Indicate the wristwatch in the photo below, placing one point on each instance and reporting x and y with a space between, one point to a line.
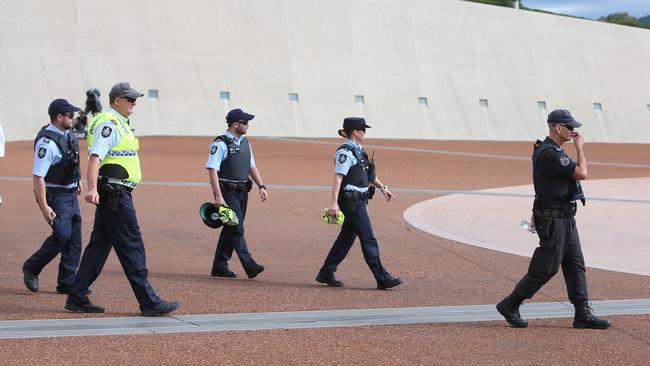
261 186
383 188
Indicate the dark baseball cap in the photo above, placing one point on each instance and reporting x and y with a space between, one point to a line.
60 106
563 116
123 89
238 115
354 123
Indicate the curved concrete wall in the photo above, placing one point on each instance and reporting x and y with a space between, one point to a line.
392 52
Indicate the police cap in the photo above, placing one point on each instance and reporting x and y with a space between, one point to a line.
563 116
236 115
354 123
60 106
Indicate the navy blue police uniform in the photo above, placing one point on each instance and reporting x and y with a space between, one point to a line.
56 158
116 225
556 195
351 161
233 159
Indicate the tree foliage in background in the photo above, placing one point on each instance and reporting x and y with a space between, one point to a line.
645 20
623 19
616 18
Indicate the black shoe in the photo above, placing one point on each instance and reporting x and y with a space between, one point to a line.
163 308
510 311
84 308
585 319
31 280
329 280
223 273
255 271
389 283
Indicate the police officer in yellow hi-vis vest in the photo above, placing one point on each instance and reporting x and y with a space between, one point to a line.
113 173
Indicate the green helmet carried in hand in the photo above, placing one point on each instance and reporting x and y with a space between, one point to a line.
215 217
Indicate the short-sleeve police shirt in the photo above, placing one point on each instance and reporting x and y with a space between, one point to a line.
219 152
46 154
554 175
107 135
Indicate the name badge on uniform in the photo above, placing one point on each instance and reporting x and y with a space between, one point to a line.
106 131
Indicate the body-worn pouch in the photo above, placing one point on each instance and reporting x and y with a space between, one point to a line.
348 202
543 223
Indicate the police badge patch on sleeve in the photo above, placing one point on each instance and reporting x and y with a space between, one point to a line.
342 158
564 160
106 131
213 150
41 152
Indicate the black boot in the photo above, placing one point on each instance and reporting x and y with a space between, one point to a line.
586 319
509 308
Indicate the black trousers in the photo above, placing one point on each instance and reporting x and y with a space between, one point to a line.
65 239
356 223
561 248
232 237
119 230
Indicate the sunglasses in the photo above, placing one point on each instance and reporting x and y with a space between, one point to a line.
68 114
361 129
245 123
130 100
570 128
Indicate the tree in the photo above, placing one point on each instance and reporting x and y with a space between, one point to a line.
623 19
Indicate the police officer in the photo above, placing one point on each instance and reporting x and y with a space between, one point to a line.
354 180
113 173
56 186
230 164
556 178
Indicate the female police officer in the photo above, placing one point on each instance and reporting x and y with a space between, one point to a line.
353 174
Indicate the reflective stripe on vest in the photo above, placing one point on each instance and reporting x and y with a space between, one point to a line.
125 153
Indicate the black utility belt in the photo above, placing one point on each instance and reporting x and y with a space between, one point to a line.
109 185
236 186
558 212
355 195
60 190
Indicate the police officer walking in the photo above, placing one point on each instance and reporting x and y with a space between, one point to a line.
113 173
556 178
353 176
56 187
230 164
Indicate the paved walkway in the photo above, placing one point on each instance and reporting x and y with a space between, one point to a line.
613 225
300 319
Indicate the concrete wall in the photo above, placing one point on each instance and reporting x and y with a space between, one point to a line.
390 51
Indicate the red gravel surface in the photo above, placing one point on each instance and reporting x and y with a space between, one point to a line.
286 235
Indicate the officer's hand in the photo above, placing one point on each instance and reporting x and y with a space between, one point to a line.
333 210
48 215
79 189
219 201
92 197
578 140
388 194
264 194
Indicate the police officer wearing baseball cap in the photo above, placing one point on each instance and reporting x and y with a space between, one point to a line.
354 176
113 174
231 167
556 178
56 186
